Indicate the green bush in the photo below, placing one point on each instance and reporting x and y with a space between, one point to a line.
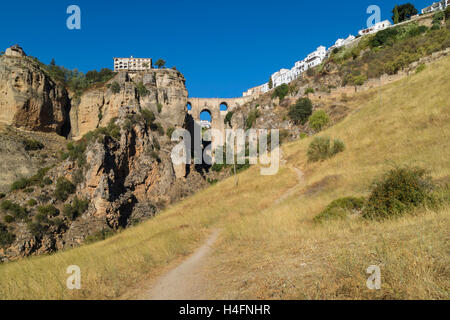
338 146
251 118
320 148
142 90
31 203
6 238
9 219
170 131
160 107
48 210
99 236
340 208
228 118
318 120
149 116
22 183
281 91
398 191
158 128
37 229
115 87
64 188
309 90
447 13
300 111
32 145
76 209
15 209
421 68
47 181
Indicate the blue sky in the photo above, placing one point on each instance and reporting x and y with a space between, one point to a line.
222 47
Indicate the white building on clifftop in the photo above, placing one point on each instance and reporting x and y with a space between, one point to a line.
132 64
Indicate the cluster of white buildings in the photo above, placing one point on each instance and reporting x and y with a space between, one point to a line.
132 64
285 76
436 6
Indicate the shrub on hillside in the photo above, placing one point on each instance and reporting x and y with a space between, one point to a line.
9 219
149 116
32 145
6 237
142 90
15 209
31 202
447 13
76 209
398 191
340 208
300 111
48 210
281 92
320 149
318 120
421 68
64 188
251 118
115 87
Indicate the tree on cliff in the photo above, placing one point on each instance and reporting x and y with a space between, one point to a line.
405 12
396 16
160 63
270 83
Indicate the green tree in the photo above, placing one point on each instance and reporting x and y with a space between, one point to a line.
405 12
300 111
270 83
160 63
281 91
308 91
396 16
319 120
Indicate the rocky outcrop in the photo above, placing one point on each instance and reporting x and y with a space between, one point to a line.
29 98
164 94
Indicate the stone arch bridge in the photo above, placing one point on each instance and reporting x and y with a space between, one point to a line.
213 106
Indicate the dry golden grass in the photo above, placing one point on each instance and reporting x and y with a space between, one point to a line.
274 250
282 254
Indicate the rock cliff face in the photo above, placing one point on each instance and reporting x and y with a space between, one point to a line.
118 160
164 94
29 98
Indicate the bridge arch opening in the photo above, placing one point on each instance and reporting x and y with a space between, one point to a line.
223 106
205 118
188 106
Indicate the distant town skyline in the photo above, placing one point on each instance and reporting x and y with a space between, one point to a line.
222 48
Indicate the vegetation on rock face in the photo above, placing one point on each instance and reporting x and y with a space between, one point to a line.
142 90
300 111
398 191
320 148
281 92
251 118
115 87
64 188
6 238
403 12
16 210
75 80
32 145
318 120
228 118
37 179
388 51
76 209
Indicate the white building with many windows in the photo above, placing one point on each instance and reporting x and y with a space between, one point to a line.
436 6
375 28
342 42
132 64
